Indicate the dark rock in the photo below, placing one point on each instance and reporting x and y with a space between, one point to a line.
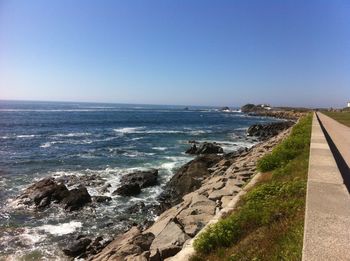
225 109
264 131
128 190
205 148
77 248
139 207
187 179
142 178
76 199
60 193
192 150
47 190
144 241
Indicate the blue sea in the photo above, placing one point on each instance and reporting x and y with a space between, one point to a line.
41 139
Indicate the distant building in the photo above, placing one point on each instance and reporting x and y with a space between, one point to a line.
348 104
265 106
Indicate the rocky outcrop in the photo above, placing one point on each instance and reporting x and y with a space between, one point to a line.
251 108
46 191
82 246
191 198
205 148
265 131
187 179
130 189
142 178
131 184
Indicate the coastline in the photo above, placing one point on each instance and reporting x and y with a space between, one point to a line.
197 174
177 225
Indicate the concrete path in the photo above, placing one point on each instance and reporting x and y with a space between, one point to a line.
340 135
327 214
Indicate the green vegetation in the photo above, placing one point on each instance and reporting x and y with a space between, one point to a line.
268 224
343 116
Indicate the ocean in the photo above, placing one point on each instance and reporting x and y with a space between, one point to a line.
43 139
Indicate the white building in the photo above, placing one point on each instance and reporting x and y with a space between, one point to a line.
348 104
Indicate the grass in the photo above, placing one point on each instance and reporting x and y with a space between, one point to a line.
343 117
268 224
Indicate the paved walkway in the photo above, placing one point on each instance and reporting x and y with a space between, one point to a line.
327 214
340 135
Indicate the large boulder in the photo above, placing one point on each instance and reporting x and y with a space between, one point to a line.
131 189
132 183
46 191
76 199
169 242
78 247
205 148
142 178
187 179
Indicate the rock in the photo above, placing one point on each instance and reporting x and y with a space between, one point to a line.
265 131
225 109
76 199
47 190
121 247
142 178
251 108
205 148
144 241
187 179
77 248
128 190
218 194
169 241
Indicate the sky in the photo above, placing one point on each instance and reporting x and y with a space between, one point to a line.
180 52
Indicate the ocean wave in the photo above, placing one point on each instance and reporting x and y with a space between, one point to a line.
72 134
128 129
27 136
160 148
61 229
142 130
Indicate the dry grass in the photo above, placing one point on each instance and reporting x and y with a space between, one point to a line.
342 117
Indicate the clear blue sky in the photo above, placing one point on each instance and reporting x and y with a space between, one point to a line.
176 52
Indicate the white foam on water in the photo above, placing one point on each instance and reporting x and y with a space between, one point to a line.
26 136
46 145
129 129
61 229
72 134
160 148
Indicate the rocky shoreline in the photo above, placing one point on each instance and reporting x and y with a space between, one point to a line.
197 191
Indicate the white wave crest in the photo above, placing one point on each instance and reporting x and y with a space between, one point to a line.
129 130
61 229
72 134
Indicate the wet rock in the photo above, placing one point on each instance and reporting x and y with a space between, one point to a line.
128 190
205 148
144 241
47 190
142 178
77 248
76 199
187 179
